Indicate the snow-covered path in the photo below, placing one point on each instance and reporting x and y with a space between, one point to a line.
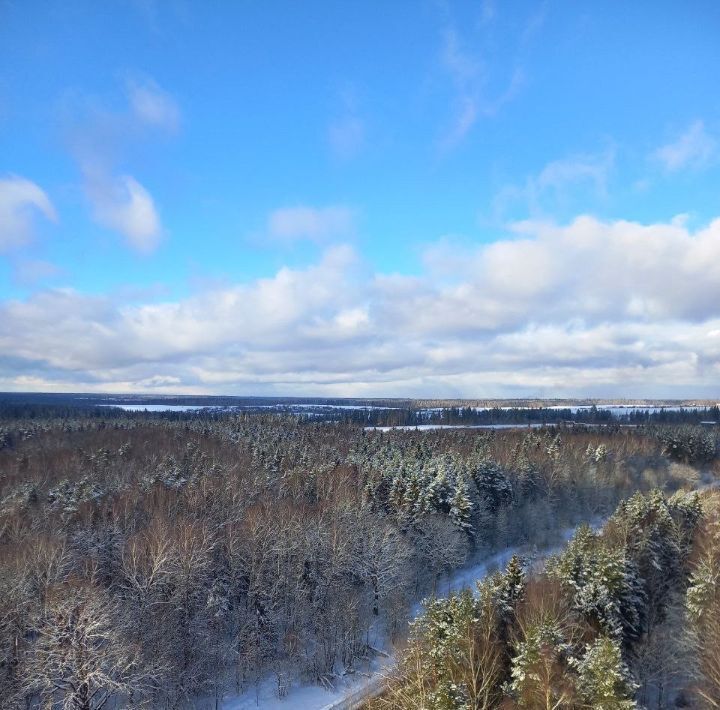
464 579
368 681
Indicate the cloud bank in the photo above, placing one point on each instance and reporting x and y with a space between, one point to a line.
590 306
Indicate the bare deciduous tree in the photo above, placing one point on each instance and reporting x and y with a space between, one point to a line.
80 658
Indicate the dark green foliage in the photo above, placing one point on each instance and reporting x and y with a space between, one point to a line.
689 444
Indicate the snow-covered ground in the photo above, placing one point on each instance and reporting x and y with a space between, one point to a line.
291 407
353 687
356 407
428 427
156 407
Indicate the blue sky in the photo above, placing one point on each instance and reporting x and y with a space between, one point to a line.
431 198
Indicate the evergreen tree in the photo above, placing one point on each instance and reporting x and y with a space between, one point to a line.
606 585
539 677
461 506
604 681
508 588
493 485
397 492
412 498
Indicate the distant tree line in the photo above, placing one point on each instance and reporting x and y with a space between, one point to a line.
41 406
469 416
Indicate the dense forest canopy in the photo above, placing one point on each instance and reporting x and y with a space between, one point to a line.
624 618
173 560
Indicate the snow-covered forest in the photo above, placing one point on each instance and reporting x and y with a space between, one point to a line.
628 617
173 562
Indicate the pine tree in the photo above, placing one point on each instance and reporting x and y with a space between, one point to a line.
509 587
412 498
492 484
461 506
605 583
436 494
397 493
539 677
604 681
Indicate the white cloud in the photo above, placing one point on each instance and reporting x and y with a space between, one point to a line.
20 201
316 224
593 270
695 148
352 319
589 307
153 106
125 206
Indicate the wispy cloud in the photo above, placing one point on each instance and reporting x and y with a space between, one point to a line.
153 106
581 177
346 133
534 23
694 148
466 73
98 139
472 75
315 224
346 136
592 168
472 100
487 11
29 272
20 201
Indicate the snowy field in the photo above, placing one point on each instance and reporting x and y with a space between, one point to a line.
156 407
428 427
274 407
352 407
355 687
